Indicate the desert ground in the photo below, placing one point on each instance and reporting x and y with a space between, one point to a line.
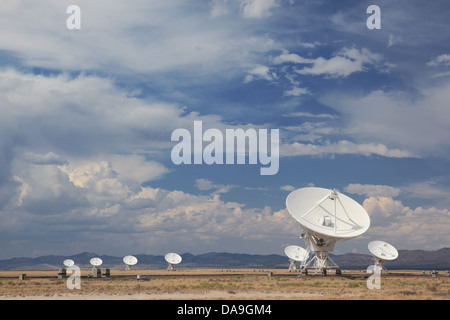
225 284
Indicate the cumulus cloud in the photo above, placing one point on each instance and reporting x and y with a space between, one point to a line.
405 227
97 205
401 225
82 153
211 217
46 190
135 169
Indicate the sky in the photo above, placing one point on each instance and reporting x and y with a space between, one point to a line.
87 117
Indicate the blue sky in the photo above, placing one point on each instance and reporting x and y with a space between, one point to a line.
87 117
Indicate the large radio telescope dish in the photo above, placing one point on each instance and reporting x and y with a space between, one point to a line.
297 256
173 259
326 216
382 252
129 261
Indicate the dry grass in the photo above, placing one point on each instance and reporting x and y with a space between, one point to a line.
224 284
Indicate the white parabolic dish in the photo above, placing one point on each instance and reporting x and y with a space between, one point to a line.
173 258
130 260
383 250
68 262
327 213
296 253
96 262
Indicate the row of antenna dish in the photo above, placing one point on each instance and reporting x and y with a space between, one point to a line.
327 216
171 258
380 250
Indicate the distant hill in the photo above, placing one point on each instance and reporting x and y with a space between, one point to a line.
408 259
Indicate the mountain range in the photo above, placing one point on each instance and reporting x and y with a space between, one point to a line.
407 259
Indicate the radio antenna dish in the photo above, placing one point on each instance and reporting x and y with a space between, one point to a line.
173 259
96 262
130 261
326 216
297 257
382 252
68 263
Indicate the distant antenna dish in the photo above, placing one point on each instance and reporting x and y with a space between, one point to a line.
382 251
130 261
326 216
68 262
96 262
173 259
297 257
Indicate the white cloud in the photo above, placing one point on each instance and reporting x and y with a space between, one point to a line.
311 115
45 190
372 190
426 190
287 188
296 92
83 151
148 219
421 126
48 158
341 147
441 74
154 36
258 8
292 58
307 131
205 185
212 218
407 228
443 59
218 8
260 72
85 115
99 179
393 40
343 64
136 169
